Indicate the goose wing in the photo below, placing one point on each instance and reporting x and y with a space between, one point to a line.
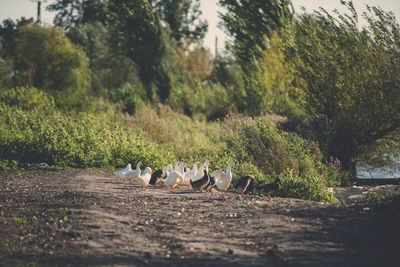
124 171
218 175
132 174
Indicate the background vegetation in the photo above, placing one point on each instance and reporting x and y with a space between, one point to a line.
302 98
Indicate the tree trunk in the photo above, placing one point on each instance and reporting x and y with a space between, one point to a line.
148 86
343 146
163 83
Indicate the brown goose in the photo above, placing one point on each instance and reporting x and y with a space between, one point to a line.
267 189
245 184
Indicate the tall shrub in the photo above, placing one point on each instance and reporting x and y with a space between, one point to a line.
52 63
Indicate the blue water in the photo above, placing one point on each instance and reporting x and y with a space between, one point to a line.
369 172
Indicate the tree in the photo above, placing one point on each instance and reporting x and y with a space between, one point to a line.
248 22
268 84
226 71
109 68
183 18
137 33
9 32
74 12
5 70
52 63
256 28
350 78
195 62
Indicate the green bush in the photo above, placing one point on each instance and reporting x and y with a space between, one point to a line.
132 97
269 153
306 187
27 98
255 145
209 100
82 140
158 136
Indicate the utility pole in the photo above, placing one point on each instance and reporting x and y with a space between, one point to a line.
38 21
216 46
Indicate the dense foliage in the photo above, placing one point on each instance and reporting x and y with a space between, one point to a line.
83 140
124 81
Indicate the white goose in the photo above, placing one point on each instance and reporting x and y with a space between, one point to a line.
167 169
200 172
132 175
144 179
122 172
159 175
176 166
175 177
190 174
222 179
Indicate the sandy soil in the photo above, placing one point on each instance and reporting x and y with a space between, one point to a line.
91 218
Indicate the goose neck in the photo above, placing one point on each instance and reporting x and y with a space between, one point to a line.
138 166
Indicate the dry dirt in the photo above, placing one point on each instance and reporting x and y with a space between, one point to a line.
91 218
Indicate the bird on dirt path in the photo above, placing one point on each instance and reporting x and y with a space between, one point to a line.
201 183
175 177
123 172
245 184
145 177
192 173
200 171
223 179
267 189
132 175
211 184
159 175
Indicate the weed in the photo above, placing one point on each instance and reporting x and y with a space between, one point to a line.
374 199
20 221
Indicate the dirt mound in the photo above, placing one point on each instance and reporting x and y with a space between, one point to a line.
91 218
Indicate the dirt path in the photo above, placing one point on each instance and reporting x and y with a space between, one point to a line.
91 218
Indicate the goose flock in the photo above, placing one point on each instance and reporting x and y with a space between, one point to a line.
197 178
